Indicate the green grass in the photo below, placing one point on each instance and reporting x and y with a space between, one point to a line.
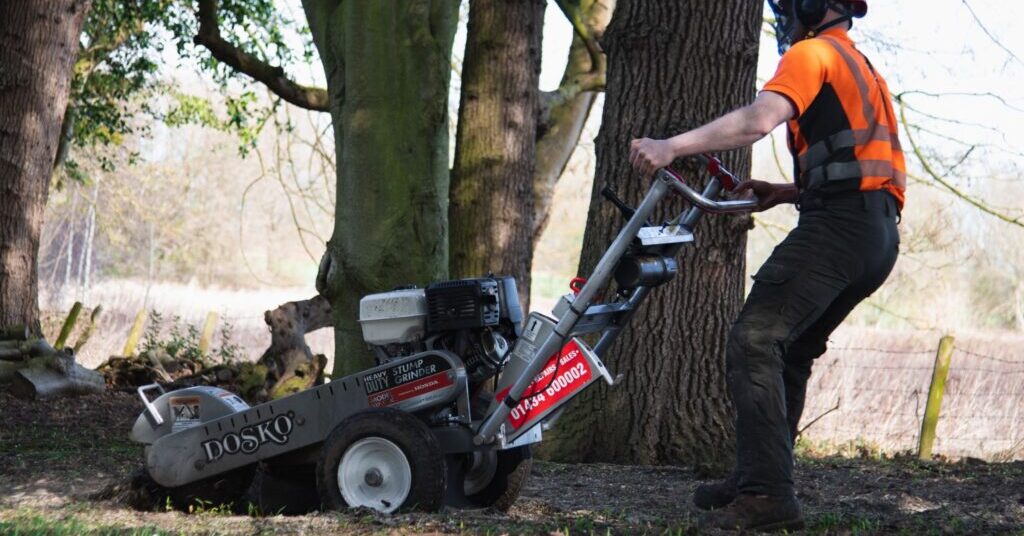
34 524
48 444
831 522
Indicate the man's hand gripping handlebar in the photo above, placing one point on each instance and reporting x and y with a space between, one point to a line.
717 170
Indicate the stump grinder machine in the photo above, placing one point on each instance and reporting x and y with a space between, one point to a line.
463 387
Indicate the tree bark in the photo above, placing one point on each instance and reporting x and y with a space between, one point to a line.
38 46
672 66
491 211
388 69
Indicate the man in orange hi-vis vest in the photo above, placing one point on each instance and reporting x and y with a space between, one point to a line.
849 189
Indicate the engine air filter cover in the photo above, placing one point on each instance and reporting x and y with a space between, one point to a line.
462 304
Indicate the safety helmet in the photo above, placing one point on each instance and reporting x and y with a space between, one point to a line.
809 14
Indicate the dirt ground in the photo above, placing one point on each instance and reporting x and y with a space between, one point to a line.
56 459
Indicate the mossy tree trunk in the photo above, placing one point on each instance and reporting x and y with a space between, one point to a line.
388 70
38 47
672 66
491 211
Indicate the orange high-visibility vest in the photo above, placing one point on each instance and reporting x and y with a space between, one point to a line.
845 136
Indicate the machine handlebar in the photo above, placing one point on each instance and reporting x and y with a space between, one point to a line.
715 168
725 178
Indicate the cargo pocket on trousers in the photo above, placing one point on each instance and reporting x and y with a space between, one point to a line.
776 299
774 274
770 292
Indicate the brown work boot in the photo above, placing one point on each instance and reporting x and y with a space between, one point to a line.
716 494
756 512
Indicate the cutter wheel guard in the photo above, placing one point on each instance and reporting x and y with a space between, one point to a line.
421 429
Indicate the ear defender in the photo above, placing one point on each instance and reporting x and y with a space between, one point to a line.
811 13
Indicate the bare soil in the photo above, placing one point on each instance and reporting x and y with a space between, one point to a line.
57 459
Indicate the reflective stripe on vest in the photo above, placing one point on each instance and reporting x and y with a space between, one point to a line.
818 154
813 160
852 170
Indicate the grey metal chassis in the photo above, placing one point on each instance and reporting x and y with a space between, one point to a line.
188 455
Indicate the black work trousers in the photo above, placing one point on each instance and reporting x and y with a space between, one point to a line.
841 251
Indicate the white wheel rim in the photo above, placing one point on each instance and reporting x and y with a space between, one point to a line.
374 473
481 472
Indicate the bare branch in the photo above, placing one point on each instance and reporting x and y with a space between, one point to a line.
818 418
575 16
768 226
310 98
564 112
918 324
990 34
980 94
958 141
778 160
926 165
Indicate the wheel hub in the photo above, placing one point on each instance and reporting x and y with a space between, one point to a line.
374 473
374 477
481 471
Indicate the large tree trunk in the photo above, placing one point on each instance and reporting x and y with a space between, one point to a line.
38 47
672 66
388 69
491 211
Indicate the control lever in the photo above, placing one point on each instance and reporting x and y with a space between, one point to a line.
626 210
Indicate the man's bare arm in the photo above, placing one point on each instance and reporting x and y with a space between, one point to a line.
739 128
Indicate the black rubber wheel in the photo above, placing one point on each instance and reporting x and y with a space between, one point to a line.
283 489
491 479
141 492
216 492
388 451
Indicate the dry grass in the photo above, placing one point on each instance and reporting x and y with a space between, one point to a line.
879 380
242 309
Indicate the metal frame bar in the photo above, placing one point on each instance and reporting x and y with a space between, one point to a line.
602 273
664 182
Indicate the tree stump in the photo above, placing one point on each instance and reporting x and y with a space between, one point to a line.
35 370
291 365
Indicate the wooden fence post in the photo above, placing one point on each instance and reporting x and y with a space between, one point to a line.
207 337
935 392
134 334
69 324
87 332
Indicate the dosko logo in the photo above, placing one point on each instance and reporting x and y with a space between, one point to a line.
249 439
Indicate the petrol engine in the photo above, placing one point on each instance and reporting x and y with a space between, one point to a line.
476 319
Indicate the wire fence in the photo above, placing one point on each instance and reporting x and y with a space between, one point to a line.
873 386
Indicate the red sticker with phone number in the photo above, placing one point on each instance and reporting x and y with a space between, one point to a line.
571 374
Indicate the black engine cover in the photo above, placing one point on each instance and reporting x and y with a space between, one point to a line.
463 304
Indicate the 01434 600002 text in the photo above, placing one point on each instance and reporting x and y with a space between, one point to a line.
546 393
